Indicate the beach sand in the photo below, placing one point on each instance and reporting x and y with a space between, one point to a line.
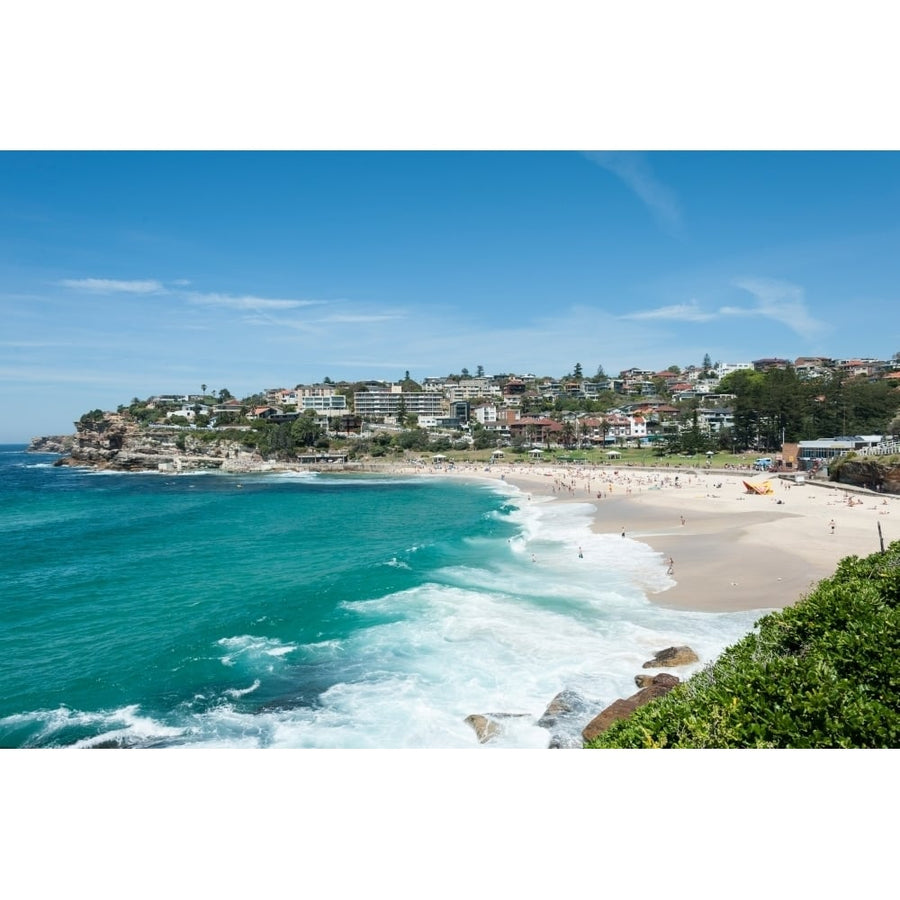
734 550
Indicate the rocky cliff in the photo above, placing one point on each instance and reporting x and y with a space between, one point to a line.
868 473
115 442
54 443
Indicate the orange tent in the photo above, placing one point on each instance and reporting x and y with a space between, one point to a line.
764 487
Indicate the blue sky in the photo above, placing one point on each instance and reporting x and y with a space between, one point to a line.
125 274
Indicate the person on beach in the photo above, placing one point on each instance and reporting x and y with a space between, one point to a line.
671 569
831 526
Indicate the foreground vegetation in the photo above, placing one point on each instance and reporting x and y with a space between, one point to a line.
822 673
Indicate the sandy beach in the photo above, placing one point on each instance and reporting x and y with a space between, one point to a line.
730 550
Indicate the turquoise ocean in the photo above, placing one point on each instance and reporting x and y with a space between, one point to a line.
312 610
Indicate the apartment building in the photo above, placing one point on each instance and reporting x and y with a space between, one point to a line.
471 389
384 403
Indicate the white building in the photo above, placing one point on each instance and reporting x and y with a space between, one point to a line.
485 415
471 389
374 404
723 369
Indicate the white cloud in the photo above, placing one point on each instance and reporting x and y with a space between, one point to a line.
113 286
679 312
37 345
635 171
360 318
780 301
247 302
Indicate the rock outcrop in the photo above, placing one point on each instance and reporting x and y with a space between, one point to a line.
670 657
54 443
485 728
622 709
489 725
870 473
113 441
564 718
564 704
643 681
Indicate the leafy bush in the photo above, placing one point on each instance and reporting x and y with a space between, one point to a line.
822 673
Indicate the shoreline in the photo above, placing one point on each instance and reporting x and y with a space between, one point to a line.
732 550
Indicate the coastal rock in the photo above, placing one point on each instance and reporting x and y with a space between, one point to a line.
55 443
622 709
643 681
672 656
565 742
485 728
113 441
489 725
868 473
564 718
565 704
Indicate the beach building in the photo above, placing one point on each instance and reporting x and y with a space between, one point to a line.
714 420
593 389
770 362
723 369
515 387
813 366
485 415
471 389
853 368
325 405
534 429
167 399
384 403
822 451
189 411
229 406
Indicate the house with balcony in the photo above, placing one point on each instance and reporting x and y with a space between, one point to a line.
770 362
713 420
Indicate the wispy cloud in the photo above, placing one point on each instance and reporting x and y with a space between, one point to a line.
36 345
361 318
678 312
636 172
113 286
780 301
247 302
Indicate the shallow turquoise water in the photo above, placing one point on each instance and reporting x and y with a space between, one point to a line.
306 611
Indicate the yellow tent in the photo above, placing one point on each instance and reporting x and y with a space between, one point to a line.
764 487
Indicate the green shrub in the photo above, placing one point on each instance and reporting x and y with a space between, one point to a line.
822 673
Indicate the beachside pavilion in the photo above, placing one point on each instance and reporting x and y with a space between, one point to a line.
828 449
